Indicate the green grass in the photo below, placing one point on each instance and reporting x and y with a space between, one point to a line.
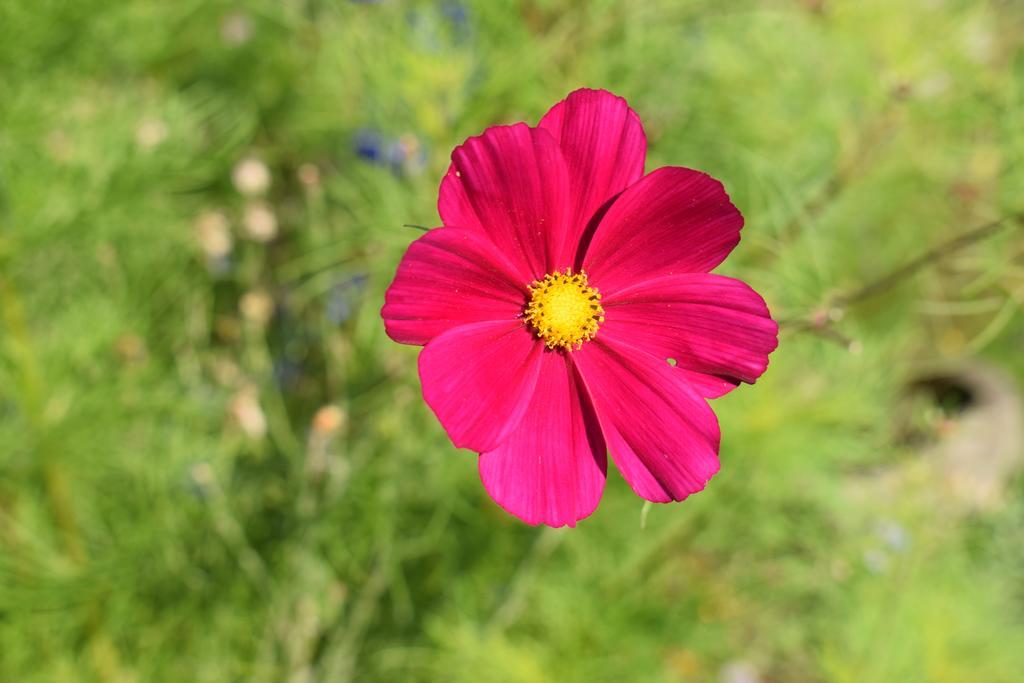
152 528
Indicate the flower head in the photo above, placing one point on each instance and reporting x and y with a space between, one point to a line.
551 301
564 310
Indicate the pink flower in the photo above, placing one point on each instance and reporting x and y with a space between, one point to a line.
550 303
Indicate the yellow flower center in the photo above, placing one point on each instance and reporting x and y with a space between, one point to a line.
564 310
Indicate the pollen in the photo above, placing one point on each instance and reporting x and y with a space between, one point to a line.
564 310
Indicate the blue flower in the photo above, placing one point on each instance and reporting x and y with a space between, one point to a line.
368 144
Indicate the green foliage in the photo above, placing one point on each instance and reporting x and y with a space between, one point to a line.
214 466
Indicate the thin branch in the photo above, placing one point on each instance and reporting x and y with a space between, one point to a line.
821 321
891 279
834 309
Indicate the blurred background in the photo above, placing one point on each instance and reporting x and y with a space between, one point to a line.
214 465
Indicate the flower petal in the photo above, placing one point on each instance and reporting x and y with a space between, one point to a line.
710 325
604 145
512 183
453 204
708 386
660 432
450 277
551 469
674 220
479 379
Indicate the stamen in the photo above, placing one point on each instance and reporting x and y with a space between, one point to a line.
564 310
